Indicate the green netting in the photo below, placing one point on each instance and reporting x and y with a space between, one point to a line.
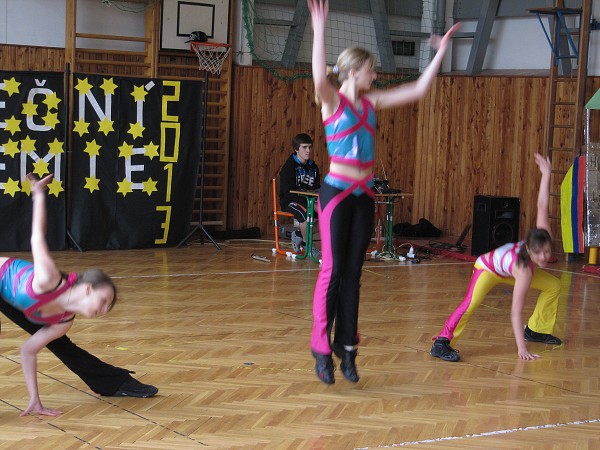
273 34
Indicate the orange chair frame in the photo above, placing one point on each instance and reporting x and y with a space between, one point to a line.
277 213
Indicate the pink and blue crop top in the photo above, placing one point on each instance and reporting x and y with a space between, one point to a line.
16 277
350 137
351 133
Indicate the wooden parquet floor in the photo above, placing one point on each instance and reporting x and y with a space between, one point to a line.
226 340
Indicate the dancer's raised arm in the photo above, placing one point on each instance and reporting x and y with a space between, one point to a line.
319 10
542 219
46 273
413 91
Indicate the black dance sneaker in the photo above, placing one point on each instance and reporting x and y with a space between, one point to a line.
324 368
348 364
133 388
544 338
441 349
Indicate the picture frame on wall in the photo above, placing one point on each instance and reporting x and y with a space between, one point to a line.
180 17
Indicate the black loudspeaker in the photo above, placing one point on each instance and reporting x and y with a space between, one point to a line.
495 222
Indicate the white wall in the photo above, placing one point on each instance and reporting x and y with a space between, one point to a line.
95 17
32 22
3 21
516 43
43 22
520 43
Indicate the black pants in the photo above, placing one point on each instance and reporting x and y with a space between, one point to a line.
345 224
102 378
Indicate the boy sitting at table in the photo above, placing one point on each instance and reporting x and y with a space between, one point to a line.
298 173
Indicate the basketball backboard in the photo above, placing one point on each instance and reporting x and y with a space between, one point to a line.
180 18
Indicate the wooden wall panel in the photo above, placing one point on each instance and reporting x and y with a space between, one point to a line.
468 136
267 113
16 57
488 129
592 86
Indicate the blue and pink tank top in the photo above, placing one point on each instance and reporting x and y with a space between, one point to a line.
350 135
16 277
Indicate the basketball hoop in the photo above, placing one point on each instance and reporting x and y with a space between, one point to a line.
210 55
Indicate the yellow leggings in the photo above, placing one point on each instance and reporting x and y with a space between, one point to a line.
541 321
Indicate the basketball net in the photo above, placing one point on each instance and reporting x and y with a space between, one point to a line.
211 55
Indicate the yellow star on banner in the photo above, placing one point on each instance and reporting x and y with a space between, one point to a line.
51 101
149 186
11 148
11 187
136 130
126 150
151 150
28 145
12 125
108 86
92 184
124 187
139 93
106 126
40 168
51 120
11 86
83 86
92 148
26 187
29 109
56 147
81 127
55 187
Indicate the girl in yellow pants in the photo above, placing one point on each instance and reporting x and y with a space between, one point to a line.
513 264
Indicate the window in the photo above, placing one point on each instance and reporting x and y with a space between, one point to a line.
403 48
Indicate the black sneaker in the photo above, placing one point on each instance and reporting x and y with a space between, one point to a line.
348 364
544 338
324 368
441 349
133 388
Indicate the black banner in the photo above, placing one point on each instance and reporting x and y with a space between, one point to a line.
136 147
32 139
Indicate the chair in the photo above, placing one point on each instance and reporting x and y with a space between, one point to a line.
277 214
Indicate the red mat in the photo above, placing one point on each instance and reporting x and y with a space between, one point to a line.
592 269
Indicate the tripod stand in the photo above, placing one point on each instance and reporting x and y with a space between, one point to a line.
210 56
200 226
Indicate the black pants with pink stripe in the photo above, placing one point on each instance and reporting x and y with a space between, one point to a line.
346 225
101 377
